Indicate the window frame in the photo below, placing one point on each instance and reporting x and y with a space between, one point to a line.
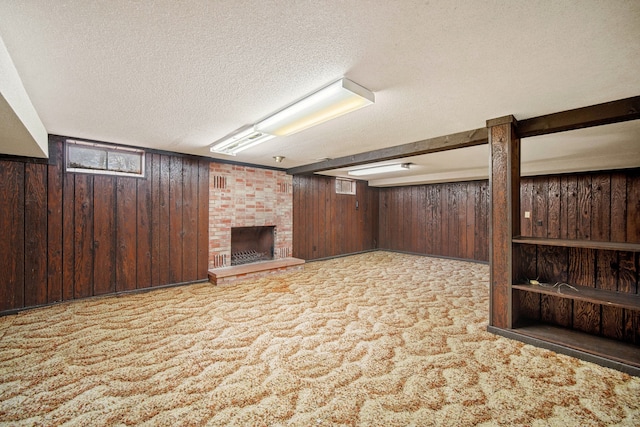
352 182
107 148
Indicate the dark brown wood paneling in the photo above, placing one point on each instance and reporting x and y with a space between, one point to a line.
35 215
74 235
601 207
618 207
582 267
126 208
633 207
68 236
175 220
163 236
525 269
583 226
203 218
83 236
628 272
327 224
552 268
569 198
55 227
12 218
156 231
526 206
189 220
144 218
481 226
104 272
439 219
540 206
554 206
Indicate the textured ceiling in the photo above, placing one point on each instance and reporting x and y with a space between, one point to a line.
179 75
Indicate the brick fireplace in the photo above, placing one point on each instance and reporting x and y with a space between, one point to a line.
242 196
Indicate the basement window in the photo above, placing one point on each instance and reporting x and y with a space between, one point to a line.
90 157
345 186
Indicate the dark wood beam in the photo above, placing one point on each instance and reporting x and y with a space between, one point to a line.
594 115
432 145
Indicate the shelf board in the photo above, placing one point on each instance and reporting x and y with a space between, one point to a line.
569 243
584 293
600 350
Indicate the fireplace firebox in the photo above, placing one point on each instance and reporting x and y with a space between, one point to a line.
251 244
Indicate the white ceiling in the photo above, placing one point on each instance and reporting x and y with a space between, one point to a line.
179 75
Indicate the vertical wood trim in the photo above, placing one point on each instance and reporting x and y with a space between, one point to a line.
203 219
175 220
54 223
601 207
156 232
618 207
83 236
163 236
540 212
554 204
505 213
633 207
143 230
104 272
526 198
190 220
583 229
68 236
127 239
12 256
35 219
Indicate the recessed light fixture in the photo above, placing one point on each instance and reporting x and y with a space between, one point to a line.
380 169
278 159
331 101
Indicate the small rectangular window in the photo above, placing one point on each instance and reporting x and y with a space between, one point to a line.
90 157
345 186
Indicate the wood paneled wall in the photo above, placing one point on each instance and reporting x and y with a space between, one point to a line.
327 224
72 235
438 219
601 206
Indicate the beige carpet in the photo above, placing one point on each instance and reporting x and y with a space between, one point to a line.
378 339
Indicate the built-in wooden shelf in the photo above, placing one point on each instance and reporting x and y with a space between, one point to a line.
603 351
588 244
599 346
584 293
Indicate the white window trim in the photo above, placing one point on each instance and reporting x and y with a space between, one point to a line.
108 148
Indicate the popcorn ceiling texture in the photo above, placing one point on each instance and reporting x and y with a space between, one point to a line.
377 339
241 196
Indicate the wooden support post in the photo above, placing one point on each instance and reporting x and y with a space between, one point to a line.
504 180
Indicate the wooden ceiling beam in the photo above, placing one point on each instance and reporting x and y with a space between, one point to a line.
432 145
594 115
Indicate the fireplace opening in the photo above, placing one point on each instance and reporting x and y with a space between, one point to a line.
251 244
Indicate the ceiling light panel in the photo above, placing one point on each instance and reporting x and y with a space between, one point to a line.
398 167
334 100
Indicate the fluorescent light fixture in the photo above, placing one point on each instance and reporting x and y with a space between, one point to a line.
380 169
240 141
336 99
331 101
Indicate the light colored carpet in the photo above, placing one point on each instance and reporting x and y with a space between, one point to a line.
378 339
